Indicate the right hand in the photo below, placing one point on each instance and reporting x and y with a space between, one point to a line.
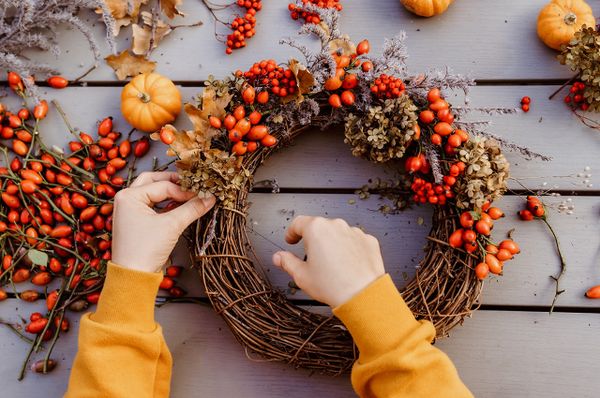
341 260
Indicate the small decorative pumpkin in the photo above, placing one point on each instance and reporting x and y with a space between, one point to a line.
560 19
426 8
149 101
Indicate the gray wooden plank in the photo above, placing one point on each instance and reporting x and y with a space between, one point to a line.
518 354
526 280
491 40
548 128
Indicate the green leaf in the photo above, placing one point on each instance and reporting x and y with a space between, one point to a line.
37 257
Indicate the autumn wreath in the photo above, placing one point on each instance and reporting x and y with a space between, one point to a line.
387 114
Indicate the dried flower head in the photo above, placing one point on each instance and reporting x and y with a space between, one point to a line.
384 131
217 172
582 54
485 176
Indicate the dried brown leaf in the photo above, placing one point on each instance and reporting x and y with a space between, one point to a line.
304 81
149 35
169 8
126 64
342 46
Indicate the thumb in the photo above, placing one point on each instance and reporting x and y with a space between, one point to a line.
190 211
289 262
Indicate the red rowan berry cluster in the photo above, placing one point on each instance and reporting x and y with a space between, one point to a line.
243 27
427 192
575 97
387 87
297 12
525 101
276 79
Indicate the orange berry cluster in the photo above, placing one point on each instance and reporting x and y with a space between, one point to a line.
244 131
243 27
344 80
575 97
387 87
439 115
297 12
535 209
267 74
477 226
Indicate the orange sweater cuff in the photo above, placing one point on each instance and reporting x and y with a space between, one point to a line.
376 317
127 298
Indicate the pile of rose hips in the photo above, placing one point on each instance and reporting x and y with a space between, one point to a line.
475 233
243 27
575 97
341 84
535 209
56 213
266 76
297 11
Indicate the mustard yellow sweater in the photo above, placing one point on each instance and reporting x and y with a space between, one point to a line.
122 352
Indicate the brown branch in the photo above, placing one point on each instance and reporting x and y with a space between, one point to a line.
563 266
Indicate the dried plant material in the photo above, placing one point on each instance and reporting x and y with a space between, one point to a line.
583 56
126 65
147 36
33 24
342 46
383 132
169 8
304 81
486 174
217 172
123 12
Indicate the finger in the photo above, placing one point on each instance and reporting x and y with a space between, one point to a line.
147 177
288 262
162 190
190 211
296 229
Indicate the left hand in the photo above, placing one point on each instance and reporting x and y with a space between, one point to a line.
142 238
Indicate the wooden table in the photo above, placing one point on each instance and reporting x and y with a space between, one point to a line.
510 347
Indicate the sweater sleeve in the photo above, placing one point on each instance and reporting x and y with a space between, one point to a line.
396 356
122 352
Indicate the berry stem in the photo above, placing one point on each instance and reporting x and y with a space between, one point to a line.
565 84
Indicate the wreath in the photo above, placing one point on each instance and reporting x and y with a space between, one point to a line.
454 165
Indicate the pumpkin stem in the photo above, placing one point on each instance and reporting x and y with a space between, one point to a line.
570 18
145 98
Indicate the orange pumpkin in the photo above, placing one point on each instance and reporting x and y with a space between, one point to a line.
149 101
560 19
426 8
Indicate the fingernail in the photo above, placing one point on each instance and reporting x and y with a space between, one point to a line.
277 259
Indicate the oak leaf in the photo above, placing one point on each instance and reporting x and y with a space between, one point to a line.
147 36
169 8
126 64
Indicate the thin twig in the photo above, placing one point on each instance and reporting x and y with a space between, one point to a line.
565 84
563 266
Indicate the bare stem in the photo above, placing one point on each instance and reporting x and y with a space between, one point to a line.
563 266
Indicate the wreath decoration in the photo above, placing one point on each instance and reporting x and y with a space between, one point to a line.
456 166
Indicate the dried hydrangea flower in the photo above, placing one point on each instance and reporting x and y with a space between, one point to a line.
384 131
485 176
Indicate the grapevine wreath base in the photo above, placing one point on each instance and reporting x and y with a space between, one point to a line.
387 114
264 321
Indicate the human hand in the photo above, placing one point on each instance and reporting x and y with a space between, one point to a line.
341 260
142 238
